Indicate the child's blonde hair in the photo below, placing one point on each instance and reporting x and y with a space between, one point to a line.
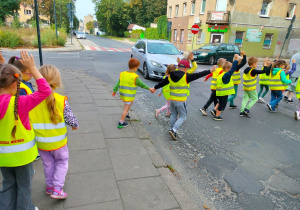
252 60
52 75
221 62
8 75
170 68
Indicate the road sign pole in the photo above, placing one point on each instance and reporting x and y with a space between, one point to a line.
38 31
55 19
194 30
288 33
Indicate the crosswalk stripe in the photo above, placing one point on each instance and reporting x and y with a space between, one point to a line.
110 49
93 48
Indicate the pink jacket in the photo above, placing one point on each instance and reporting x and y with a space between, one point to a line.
26 103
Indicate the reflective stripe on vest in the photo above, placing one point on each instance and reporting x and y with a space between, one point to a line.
215 75
224 89
17 151
166 90
178 90
275 81
249 82
286 86
127 86
236 78
49 136
298 88
26 88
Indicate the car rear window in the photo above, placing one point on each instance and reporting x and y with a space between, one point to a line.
208 47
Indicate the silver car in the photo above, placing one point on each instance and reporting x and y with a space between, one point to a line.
80 35
155 56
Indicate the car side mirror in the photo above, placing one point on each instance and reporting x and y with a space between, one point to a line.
141 50
181 52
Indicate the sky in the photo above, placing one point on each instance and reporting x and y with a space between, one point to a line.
83 8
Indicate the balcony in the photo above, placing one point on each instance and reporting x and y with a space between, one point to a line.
216 17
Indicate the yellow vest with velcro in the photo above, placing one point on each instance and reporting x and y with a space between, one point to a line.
264 79
26 88
127 86
287 77
178 90
224 89
275 81
249 82
215 75
166 91
236 77
298 88
48 135
20 150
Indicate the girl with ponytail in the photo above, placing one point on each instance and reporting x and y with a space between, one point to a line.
17 144
49 121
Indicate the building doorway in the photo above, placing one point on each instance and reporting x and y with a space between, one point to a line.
216 37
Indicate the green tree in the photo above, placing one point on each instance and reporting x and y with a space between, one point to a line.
162 27
90 26
8 8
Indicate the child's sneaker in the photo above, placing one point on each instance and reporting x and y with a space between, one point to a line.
285 98
49 190
56 194
269 107
218 118
232 107
297 115
122 125
247 112
38 157
290 101
261 100
128 117
173 134
156 113
203 111
242 114
213 112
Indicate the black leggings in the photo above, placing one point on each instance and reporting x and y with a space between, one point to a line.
212 98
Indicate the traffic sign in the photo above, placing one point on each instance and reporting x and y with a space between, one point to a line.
195 29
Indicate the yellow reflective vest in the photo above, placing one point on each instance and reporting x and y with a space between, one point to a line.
166 91
275 81
298 88
249 82
215 75
20 150
26 88
264 79
48 135
236 77
287 77
178 90
127 86
224 89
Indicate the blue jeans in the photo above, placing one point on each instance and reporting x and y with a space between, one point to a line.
276 97
16 188
178 108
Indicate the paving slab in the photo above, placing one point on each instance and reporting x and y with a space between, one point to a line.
112 119
86 141
82 100
78 94
89 160
90 188
87 116
82 108
157 160
149 193
108 103
91 126
125 146
44 202
78 89
70 85
102 96
98 90
133 166
113 132
108 205
110 110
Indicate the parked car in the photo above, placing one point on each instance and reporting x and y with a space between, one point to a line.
80 35
75 32
210 53
155 56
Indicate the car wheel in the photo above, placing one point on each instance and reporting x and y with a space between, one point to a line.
145 71
211 60
131 56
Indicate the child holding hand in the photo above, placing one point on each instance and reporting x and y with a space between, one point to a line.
17 146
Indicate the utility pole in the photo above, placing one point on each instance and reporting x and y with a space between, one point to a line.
60 13
70 15
288 33
38 31
55 19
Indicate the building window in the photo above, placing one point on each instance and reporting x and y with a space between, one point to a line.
265 8
199 37
291 11
202 10
193 8
175 35
221 5
170 12
184 9
27 12
181 35
268 41
190 35
239 36
176 10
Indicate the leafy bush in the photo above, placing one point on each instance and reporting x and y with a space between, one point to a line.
137 33
162 27
126 34
16 23
151 33
10 38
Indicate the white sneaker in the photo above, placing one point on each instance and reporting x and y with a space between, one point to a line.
36 208
156 113
261 100
297 115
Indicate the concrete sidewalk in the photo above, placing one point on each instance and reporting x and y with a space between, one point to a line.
109 168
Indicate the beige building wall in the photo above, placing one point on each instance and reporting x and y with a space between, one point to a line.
87 19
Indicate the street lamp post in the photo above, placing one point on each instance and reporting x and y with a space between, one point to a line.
55 19
38 31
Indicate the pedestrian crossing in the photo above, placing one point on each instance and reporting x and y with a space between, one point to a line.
98 48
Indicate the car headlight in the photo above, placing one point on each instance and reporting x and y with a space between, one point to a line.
156 64
204 54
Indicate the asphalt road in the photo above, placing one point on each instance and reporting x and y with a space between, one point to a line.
238 163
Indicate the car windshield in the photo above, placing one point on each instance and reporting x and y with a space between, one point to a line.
208 47
80 32
162 48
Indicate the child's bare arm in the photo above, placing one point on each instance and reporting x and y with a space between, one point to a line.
2 60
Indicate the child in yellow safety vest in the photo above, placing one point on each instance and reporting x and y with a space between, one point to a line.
249 85
277 84
264 83
49 120
127 85
18 148
297 113
288 73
